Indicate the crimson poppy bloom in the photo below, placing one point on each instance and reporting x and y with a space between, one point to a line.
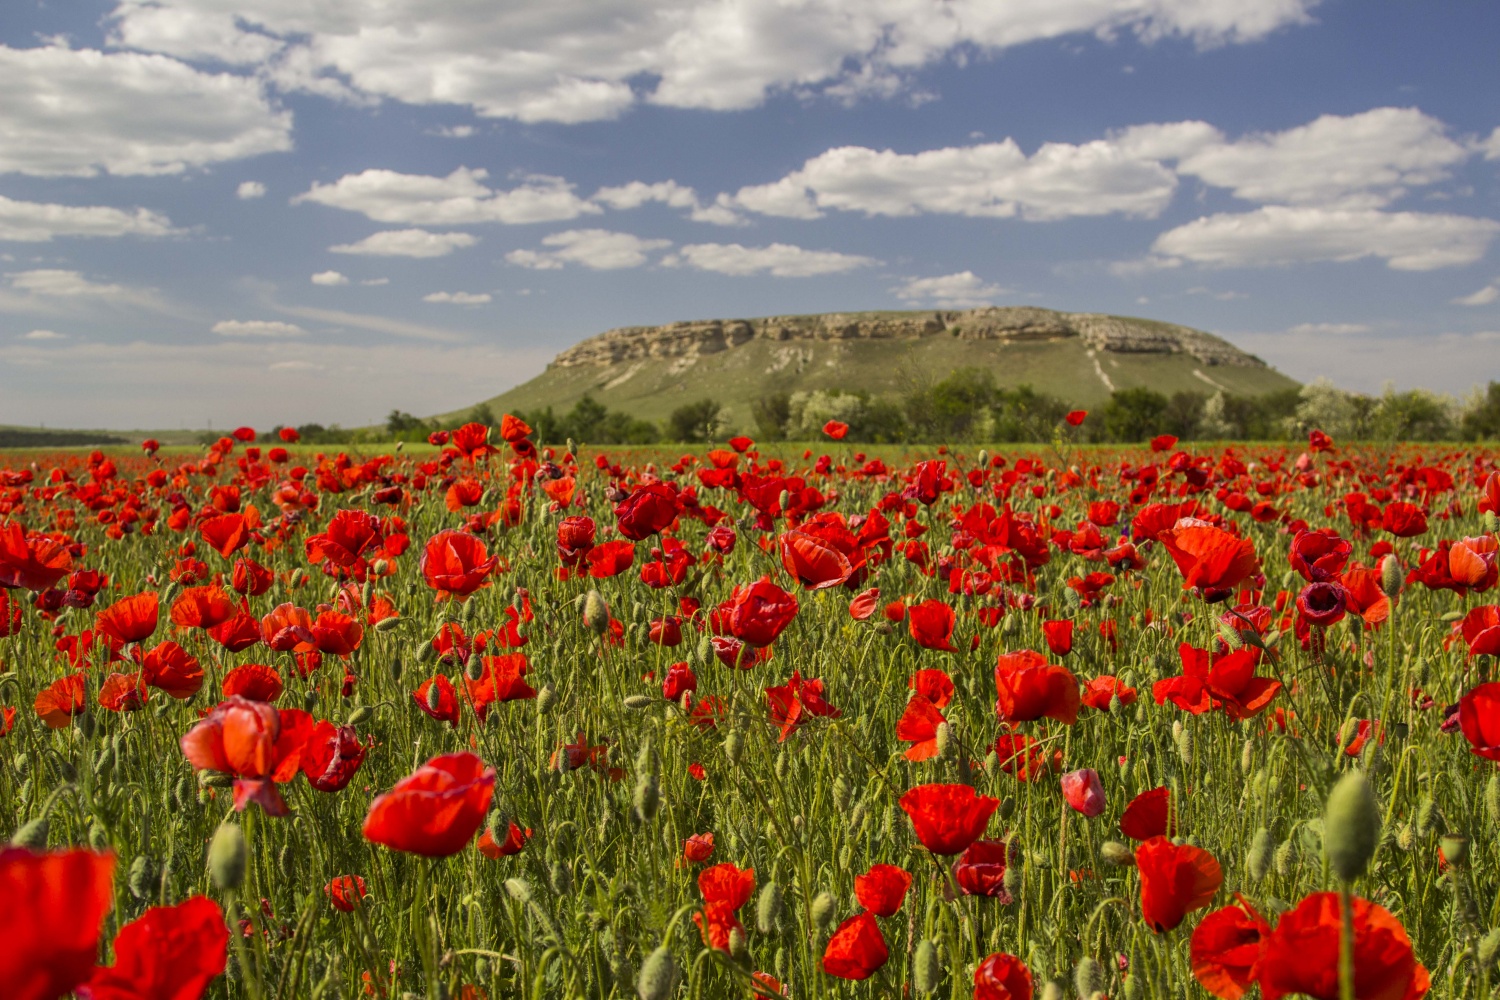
816 563
10 616
933 684
760 611
456 564
349 536
130 619
882 889
1076 417
438 699
1225 949
123 692
254 742
836 429
1324 603
1210 559
1175 880
918 726
1301 954
679 680
169 952
331 756
610 558
345 892
436 810
203 607
575 536
1480 628
931 625
648 511
514 842
255 681
1083 791
1029 688
58 702
856 950
472 442
1479 720
1319 555
1149 815
226 534
725 889
1002 977
794 702
1229 683
980 870
32 562
49 925
1099 692
948 818
337 634
1059 636
250 577
1404 520
698 847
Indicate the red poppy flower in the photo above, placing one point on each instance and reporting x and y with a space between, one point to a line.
168 953
1319 555
49 925
10 616
948 818
1225 949
679 681
1230 683
864 605
610 558
1481 630
203 607
251 578
1404 520
794 702
1175 880
1022 756
436 810
728 884
514 842
816 563
931 625
58 702
337 634
345 892
1323 604
1209 558
1301 954
254 742
980 870
760 611
1149 815
918 725
169 668
502 678
1002 977
226 534
331 756
1099 692
349 536
32 563
575 536
935 685
882 889
472 442
1029 688
648 511
1059 636
123 693
1076 417
443 705
130 619
698 848
1163 442
836 429
1479 720
455 564
1364 596
857 949
1083 791
253 681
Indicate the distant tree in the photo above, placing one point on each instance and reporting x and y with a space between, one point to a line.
584 420
1133 415
1023 414
694 422
1481 421
772 414
1414 415
1183 415
400 423
953 409
481 414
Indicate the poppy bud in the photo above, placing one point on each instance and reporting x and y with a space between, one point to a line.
658 975
426 653
737 947
1050 990
595 612
98 836
1492 798
561 877
1351 825
518 890
144 877
1258 861
927 972
214 779
226 857
784 500
647 797
1247 757
1116 853
823 909
1426 815
434 698
360 715
1014 873
734 743
474 666
841 794
768 908
1406 837
545 696
298 578
1183 737
287 862
1088 977
941 738
32 835
310 699
637 702
1489 949
1455 848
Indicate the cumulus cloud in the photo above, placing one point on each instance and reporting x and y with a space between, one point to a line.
56 283
670 193
457 199
780 260
407 243
44 335
599 249
964 290
250 189
257 328
77 112
458 298
329 278
1491 146
39 222
1274 235
584 60
1489 293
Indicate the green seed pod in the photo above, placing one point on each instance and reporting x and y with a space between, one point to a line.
595 612
434 698
144 877
1489 949
1455 848
1286 857
32 835
647 796
927 972
98 836
824 909
734 745
387 624
546 696
658 975
637 702
1115 853
1088 977
1262 849
226 856
1492 798
768 907
1351 825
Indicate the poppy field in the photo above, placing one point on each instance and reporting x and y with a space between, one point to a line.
512 718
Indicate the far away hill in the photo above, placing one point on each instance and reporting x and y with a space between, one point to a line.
648 371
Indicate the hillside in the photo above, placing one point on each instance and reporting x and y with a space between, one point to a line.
1078 357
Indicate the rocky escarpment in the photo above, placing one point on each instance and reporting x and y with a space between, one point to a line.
994 323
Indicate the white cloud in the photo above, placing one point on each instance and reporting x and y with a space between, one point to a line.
964 290
55 283
375 282
329 278
582 60
39 222
1327 329
1491 146
407 243
75 112
1407 241
456 131
458 298
670 193
1489 293
44 335
455 200
599 249
780 260
250 189
257 328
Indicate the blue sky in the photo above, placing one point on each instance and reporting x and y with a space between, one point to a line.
268 211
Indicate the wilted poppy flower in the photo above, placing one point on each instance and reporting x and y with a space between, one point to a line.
1059 636
49 925
1302 953
1209 558
931 625
760 611
456 564
130 619
1029 688
1149 815
1175 880
32 563
436 810
980 870
698 847
948 818
918 725
345 892
331 756
882 889
58 702
1225 949
815 563
856 950
1083 791
255 681
1002 977
648 511
514 842
171 952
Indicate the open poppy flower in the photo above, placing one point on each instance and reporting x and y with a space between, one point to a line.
437 697
58 702
794 702
1101 691
760 611
255 681
345 892
1002 977
31 562
172 952
725 889
203 607
331 756
1319 555
1149 815
1225 949
647 511
948 818
1229 683
918 726
49 925
882 889
514 842
1029 688
130 619
436 810
931 625
1301 954
980 870
1210 559
1175 880
1479 720
857 950
253 741
1480 628
816 563
456 564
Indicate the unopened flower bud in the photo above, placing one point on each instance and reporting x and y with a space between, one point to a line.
823 909
226 857
595 612
927 972
658 975
32 835
1258 861
1390 576
1088 977
637 702
1351 826
1455 848
545 697
1116 853
734 744
768 908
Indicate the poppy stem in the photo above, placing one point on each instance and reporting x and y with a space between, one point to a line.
1346 944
